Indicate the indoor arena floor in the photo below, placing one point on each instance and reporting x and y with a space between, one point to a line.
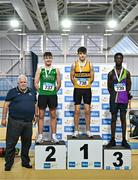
19 173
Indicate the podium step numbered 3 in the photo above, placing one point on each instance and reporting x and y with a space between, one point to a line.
81 153
117 158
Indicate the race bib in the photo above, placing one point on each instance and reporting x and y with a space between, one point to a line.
120 87
48 86
82 81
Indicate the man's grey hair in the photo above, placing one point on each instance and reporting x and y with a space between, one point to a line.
22 76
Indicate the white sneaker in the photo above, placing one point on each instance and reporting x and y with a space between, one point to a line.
75 134
39 138
54 138
88 133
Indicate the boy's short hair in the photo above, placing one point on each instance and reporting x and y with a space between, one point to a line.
118 54
82 50
47 54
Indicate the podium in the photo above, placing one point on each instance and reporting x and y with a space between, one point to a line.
84 152
117 158
49 155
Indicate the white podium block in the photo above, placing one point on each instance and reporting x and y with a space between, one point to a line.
84 152
49 155
117 158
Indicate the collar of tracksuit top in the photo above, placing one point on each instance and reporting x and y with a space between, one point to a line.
23 92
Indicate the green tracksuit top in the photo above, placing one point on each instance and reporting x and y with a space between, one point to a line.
48 82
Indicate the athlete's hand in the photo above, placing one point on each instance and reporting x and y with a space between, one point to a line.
35 120
4 122
57 88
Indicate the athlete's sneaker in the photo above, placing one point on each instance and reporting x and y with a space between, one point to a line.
54 139
39 138
125 144
111 143
75 134
88 133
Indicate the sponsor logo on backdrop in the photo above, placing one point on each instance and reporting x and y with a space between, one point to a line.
97 76
59 135
69 121
95 121
60 91
95 113
106 136
46 128
82 121
60 98
59 128
118 129
67 77
105 106
104 91
82 129
68 91
95 129
118 136
59 106
95 84
96 68
106 114
68 98
106 69
118 122
104 76
46 121
95 106
68 69
95 99
106 128
105 99
106 121
69 113
104 84
68 128
69 106
95 91
68 84
59 121
47 114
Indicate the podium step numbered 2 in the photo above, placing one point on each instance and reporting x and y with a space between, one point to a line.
49 155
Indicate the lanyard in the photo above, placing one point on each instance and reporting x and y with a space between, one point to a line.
118 78
81 67
47 73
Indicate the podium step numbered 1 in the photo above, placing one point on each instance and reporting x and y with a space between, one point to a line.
84 152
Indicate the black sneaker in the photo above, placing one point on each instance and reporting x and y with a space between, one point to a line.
27 166
7 168
125 144
111 144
